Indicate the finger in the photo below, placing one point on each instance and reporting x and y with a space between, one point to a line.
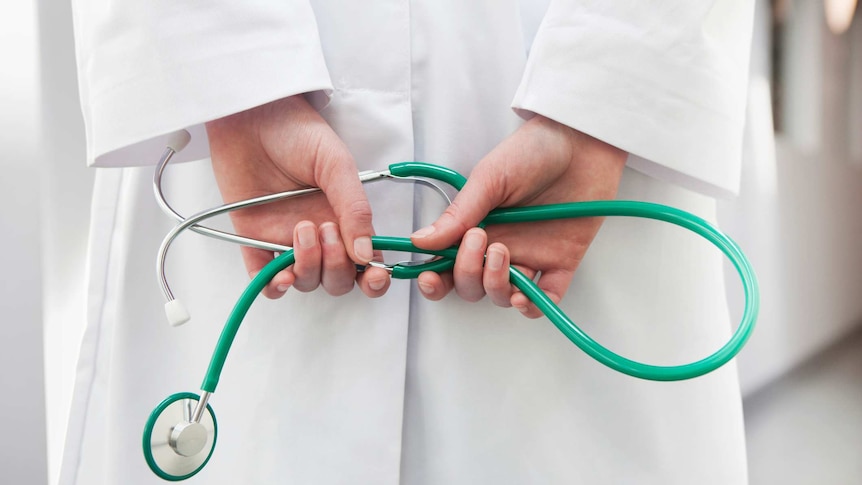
469 264
495 277
255 260
306 248
374 282
339 272
435 286
338 178
529 273
554 283
482 193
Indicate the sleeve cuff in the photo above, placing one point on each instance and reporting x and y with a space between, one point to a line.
148 69
129 125
677 108
666 137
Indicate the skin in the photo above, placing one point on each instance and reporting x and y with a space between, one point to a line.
285 145
543 162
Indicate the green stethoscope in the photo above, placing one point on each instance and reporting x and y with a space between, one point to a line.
180 434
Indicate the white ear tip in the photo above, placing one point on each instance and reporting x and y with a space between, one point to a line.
176 313
178 140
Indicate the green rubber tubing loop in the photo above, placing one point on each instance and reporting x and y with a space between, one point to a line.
529 288
428 170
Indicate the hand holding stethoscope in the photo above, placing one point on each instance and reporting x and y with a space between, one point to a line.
277 146
287 145
543 162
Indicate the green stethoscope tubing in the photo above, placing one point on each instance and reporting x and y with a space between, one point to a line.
528 287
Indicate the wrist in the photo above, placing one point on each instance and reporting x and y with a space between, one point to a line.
598 166
580 144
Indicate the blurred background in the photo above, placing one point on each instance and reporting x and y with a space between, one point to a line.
798 217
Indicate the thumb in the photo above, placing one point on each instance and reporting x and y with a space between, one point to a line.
480 195
345 194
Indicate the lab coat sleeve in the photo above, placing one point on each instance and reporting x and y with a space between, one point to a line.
149 68
664 80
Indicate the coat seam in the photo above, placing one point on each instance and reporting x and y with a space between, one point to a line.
410 289
97 338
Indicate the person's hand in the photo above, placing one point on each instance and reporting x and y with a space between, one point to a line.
543 162
285 145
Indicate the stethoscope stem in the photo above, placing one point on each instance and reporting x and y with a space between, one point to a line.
200 407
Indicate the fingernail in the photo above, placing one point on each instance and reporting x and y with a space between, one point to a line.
426 288
377 284
495 259
307 236
329 233
362 248
474 241
522 309
282 288
424 232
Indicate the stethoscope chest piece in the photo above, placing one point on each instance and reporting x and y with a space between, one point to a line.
176 446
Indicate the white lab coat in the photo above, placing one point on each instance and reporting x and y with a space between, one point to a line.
322 390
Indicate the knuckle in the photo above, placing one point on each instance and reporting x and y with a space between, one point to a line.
306 279
494 286
453 213
469 272
469 294
304 287
359 211
339 288
335 260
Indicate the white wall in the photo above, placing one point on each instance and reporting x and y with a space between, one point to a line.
799 214
22 406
